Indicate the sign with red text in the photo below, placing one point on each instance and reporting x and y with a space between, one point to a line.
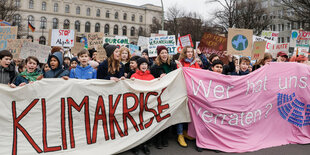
300 38
7 32
79 117
301 51
186 41
273 49
258 50
64 38
239 42
270 35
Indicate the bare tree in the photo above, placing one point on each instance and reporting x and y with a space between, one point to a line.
298 11
8 9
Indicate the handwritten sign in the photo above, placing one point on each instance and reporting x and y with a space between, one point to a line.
95 39
186 41
168 41
239 42
143 42
273 49
34 49
270 35
258 50
116 41
64 38
7 32
15 46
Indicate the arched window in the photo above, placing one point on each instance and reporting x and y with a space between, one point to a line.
98 13
66 24
106 29
115 30
140 31
87 27
132 31
97 27
17 19
116 15
30 37
124 31
77 26
17 3
67 8
43 23
31 20
141 19
56 7
55 23
88 12
133 18
107 14
78 10
43 6
31 4
125 16
42 40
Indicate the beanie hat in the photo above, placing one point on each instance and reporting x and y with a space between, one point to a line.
135 58
74 59
146 51
91 52
110 49
160 48
142 60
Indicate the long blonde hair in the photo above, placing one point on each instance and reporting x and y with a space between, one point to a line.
183 53
113 65
122 49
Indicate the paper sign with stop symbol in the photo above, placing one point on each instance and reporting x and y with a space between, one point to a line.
62 37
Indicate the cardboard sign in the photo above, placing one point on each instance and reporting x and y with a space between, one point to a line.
64 38
240 42
273 49
37 50
271 35
101 53
168 41
95 39
212 43
7 32
186 41
258 50
15 46
116 41
77 48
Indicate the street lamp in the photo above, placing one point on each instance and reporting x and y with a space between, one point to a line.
163 17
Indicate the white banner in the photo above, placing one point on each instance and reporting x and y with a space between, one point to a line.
271 35
64 38
168 41
81 117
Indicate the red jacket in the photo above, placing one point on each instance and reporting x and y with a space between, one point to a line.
143 75
187 64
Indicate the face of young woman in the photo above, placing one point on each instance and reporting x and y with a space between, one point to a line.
54 63
164 55
189 53
144 55
31 66
133 65
143 66
116 54
46 68
124 55
267 61
218 68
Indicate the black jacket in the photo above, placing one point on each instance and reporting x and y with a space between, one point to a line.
102 72
156 70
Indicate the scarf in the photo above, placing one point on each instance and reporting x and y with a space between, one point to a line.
30 76
188 60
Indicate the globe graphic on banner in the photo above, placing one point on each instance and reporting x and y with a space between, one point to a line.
239 42
294 35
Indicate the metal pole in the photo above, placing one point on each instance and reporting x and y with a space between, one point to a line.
28 28
163 17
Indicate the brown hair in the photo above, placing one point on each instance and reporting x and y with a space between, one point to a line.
113 65
83 51
184 51
246 59
56 49
122 49
5 53
158 60
213 55
32 58
262 61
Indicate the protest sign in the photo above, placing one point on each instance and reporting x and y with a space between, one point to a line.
7 32
64 38
212 43
240 41
116 41
35 49
4 23
266 109
77 48
197 44
258 50
79 117
186 41
301 51
160 33
273 49
101 53
143 42
168 41
133 48
15 45
270 35
95 39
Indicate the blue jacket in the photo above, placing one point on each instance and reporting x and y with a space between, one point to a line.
104 74
87 72
59 70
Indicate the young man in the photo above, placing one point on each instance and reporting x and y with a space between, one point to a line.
7 69
84 70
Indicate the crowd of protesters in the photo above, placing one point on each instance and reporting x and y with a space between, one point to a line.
120 65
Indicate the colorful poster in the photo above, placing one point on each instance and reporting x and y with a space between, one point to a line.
258 50
64 38
35 49
168 41
15 45
133 48
239 42
273 49
271 35
186 41
301 51
266 109
7 32
79 117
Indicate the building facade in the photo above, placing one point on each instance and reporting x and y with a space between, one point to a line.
85 16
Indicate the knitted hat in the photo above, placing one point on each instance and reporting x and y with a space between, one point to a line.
142 60
135 58
74 59
91 52
146 51
110 49
160 48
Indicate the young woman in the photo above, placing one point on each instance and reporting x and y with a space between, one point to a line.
125 58
133 65
111 68
187 58
30 75
267 58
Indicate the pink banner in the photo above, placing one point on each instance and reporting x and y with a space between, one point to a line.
270 107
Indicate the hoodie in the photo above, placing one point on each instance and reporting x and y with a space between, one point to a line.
59 71
7 75
87 72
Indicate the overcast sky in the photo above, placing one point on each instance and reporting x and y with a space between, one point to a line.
199 6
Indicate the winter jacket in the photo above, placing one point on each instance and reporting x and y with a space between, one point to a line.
205 62
193 64
143 75
59 71
156 70
240 73
130 73
7 75
21 79
87 72
102 72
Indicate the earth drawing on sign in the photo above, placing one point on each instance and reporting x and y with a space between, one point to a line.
239 42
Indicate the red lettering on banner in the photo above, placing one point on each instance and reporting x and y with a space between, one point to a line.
16 126
141 111
160 108
63 124
103 117
112 119
127 110
85 103
150 110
